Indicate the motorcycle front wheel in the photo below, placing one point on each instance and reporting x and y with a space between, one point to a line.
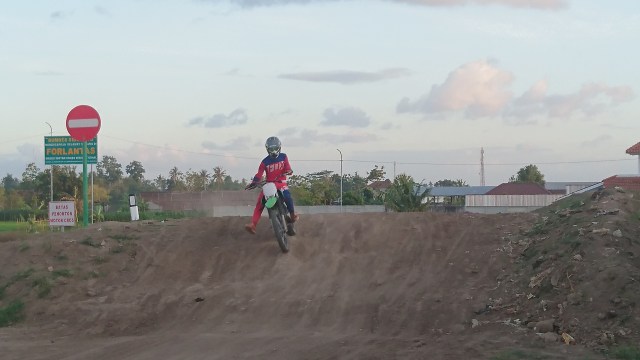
279 228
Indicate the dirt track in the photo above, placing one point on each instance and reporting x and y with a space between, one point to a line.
354 286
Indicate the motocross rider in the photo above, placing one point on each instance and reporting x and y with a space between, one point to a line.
276 166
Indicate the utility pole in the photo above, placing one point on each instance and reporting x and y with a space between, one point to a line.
481 166
340 179
51 174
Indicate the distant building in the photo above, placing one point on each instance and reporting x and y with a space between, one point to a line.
567 187
514 188
380 185
635 150
629 181
450 198
510 198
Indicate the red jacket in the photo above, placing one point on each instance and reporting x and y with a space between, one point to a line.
276 170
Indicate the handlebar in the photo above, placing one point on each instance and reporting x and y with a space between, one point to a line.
253 185
260 183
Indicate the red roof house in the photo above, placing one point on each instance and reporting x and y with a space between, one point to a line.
634 150
519 189
627 182
381 185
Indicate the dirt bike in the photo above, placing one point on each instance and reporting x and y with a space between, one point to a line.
273 200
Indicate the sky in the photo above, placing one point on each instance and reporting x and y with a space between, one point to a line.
416 86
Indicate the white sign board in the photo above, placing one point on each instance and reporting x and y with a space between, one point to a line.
62 213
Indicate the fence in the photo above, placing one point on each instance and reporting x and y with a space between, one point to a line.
222 211
493 204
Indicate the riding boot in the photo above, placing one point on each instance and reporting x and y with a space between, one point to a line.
251 228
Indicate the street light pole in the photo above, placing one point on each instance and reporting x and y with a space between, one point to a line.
51 173
340 178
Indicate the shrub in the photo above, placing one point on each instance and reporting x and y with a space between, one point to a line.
12 313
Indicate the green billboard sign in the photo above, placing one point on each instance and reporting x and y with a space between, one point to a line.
65 150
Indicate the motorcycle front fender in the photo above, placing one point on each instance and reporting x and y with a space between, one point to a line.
271 201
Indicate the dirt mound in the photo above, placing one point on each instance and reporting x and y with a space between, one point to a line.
353 286
576 271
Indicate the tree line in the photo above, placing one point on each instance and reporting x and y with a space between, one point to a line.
112 185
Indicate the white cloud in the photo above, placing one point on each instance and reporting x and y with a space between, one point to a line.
536 4
597 141
477 88
347 77
482 89
239 143
102 11
236 117
307 137
590 99
388 126
57 15
288 131
347 116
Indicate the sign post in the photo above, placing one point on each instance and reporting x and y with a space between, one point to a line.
65 150
62 213
83 124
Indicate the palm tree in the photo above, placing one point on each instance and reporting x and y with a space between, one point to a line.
204 178
405 195
175 178
219 175
160 183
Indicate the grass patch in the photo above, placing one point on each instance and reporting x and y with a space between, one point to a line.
61 257
545 288
626 353
530 253
123 238
42 285
93 274
537 229
21 275
61 273
24 246
518 355
47 246
624 319
573 202
117 250
100 260
12 313
572 241
89 242
8 226
10 236
124 242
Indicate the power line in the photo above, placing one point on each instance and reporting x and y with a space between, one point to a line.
361 160
15 140
182 150
519 163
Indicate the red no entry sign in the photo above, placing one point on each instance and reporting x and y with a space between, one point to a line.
83 123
